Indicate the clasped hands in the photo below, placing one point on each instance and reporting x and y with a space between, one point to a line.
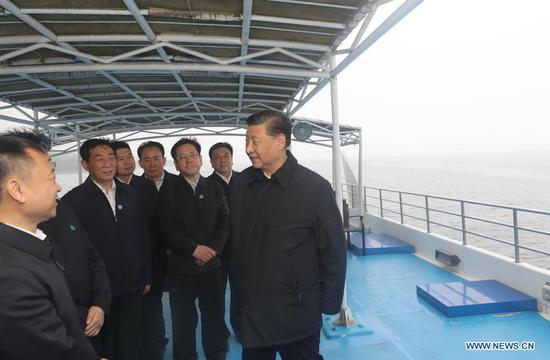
203 254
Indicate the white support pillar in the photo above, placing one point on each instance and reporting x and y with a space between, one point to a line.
345 318
336 151
360 169
78 165
35 117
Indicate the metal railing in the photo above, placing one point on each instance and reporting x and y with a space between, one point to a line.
407 206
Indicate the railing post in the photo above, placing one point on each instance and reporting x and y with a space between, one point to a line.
516 235
427 214
381 206
463 217
401 207
365 199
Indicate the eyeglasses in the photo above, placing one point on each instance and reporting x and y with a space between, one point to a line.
190 156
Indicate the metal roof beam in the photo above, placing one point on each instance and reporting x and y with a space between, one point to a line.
133 10
27 19
245 36
146 28
311 3
137 116
385 26
174 38
237 69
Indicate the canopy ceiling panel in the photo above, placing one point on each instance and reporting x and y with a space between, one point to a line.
109 66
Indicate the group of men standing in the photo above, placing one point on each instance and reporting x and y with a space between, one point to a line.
119 240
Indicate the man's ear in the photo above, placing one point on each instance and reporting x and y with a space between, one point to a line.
14 190
85 164
281 141
140 165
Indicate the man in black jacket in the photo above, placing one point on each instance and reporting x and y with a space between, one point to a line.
84 270
113 217
289 250
38 319
154 334
194 220
153 160
221 159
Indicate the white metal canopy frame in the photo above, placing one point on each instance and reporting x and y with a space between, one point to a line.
159 68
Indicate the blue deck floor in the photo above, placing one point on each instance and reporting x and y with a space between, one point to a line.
382 293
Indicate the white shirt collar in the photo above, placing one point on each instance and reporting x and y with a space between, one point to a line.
124 182
159 182
38 233
226 179
106 192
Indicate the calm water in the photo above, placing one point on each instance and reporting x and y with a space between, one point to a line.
516 180
519 180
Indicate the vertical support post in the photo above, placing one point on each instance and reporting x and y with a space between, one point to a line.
463 217
78 165
381 203
336 151
35 117
345 318
516 236
401 207
365 199
427 214
360 171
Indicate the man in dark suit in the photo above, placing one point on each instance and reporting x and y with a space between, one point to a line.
289 249
113 217
194 219
152 160
221 159
38 319
154 334
84 270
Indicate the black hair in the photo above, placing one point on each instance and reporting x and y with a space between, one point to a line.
89 145
218 146
14 158
150 144
117 145
33 136
277 123
185 141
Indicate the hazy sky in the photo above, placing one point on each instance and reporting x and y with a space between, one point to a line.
452 77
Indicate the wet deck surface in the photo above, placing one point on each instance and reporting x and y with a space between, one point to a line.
382 294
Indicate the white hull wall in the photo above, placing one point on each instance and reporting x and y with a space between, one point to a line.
475 263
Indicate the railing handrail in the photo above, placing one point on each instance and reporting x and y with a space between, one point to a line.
380 200
508 207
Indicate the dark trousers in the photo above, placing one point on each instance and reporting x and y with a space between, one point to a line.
224 279
305 349
122 331
184 289
235 317
154 334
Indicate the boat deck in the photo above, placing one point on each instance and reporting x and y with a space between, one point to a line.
382 294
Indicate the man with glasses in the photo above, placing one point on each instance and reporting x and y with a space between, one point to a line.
193 219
